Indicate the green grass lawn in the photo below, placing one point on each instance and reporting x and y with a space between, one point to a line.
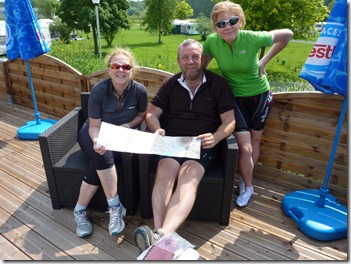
284 68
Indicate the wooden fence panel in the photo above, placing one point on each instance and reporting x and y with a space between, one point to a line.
56 84
151 78
299 136
3 81
297 182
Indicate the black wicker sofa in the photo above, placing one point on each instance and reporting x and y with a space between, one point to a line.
65 164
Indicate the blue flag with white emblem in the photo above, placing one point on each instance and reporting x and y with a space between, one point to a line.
24 36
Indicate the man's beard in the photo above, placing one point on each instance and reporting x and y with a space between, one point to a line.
193 75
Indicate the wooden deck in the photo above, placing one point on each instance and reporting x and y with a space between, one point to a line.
31 230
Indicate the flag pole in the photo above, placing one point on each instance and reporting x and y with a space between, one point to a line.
36 112
324 189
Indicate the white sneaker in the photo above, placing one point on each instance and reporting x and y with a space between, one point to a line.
244 198
241 186
116 224
84 226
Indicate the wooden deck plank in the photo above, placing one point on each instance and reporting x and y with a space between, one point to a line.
239 243
42 203
20 173
31 229
286 235
28 241
9 251
272 218
52 231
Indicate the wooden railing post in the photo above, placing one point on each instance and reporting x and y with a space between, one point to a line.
6 83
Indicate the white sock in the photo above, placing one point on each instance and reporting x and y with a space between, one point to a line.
244 198
79 208
241 186
113 202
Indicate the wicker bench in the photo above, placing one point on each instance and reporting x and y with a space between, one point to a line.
65 164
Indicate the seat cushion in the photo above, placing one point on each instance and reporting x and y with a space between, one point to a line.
74 160
69 173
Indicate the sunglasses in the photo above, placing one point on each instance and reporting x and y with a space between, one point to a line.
116 66
231 21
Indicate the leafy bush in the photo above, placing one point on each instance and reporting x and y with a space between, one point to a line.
282 71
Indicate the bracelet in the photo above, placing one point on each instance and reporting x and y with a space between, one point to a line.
126 125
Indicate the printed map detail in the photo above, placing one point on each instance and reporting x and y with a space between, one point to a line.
123 139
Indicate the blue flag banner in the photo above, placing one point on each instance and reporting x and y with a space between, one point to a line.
336 75
326 66
24 36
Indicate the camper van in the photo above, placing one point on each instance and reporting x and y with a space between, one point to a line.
190 29
45 29
2 37
185 27
2 45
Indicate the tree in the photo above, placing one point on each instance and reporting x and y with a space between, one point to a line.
329 5
136 9
47 8
183 10
203 26
201 6
80 15
329 2
298 15
113 18
62 29
159 16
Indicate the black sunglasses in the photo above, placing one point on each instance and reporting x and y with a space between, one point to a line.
116 66
231 21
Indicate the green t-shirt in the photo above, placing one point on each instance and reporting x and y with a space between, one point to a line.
240 65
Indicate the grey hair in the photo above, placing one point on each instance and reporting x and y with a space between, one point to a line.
188 42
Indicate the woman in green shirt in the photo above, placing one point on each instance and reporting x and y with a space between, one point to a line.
236 52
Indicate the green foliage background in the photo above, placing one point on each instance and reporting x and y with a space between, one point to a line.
282 70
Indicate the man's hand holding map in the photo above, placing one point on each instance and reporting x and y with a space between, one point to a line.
122 139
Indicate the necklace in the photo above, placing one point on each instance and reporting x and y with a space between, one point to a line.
118 93
119 98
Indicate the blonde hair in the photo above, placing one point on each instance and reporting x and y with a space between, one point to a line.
123 51
235 9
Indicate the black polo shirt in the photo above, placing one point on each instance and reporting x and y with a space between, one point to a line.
184 116
103 104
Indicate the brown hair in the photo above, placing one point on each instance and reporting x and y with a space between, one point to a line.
235 9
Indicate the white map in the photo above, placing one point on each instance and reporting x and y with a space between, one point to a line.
123 139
